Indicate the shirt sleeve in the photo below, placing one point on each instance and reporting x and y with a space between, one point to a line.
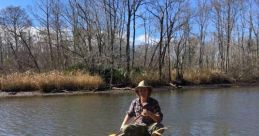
131 111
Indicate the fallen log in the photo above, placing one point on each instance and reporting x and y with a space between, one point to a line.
175 85
123 88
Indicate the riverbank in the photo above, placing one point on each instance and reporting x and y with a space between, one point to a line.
122 91
81 82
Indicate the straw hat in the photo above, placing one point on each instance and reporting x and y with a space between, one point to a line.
143 84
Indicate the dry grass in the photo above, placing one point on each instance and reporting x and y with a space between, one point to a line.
206 76
193 76
55 81
51 81
152 77
18 82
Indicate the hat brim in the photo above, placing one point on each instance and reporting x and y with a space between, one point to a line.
142 87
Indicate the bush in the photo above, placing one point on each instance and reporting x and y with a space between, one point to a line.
119 76
77 67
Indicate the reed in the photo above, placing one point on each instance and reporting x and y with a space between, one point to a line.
206 76
50 81
191 76
17 82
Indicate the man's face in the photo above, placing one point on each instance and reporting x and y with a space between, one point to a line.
143 92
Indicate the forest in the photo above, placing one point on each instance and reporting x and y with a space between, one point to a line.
125 41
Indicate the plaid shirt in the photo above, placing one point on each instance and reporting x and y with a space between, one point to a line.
136 108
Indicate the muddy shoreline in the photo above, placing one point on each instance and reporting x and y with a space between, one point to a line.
118 91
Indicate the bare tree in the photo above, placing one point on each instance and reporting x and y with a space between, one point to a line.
14 20
132 7
173 24
158 11
202 21
1 52
135 5
219 24
90 34
43 15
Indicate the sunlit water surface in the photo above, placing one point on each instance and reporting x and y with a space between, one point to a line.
206 112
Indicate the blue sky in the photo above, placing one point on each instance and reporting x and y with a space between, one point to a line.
22 3
25 3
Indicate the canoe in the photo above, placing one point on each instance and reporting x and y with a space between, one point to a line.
157 133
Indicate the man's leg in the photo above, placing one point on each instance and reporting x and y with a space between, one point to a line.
156 129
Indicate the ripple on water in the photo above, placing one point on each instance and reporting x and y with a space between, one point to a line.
217 112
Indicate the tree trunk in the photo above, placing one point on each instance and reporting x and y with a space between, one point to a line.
128 42
28 47
133 42
160 47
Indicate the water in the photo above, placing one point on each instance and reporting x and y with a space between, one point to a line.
207 112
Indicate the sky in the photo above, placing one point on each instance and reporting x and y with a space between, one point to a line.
140 36
22 3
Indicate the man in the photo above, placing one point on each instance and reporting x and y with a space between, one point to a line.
146 113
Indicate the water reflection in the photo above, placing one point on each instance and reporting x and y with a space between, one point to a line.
215 112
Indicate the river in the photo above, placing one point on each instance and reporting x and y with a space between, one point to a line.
193 112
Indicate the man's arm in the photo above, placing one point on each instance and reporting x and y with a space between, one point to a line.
156 114
130 113
126 120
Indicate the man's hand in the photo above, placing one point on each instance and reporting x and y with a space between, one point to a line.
146 113
122 127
